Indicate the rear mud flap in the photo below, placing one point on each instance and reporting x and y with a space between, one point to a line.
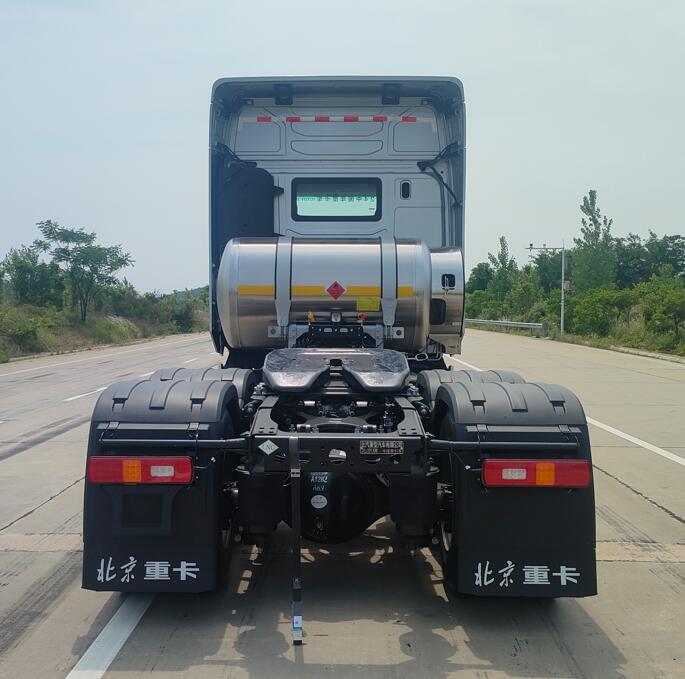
526 542
151 538
158 537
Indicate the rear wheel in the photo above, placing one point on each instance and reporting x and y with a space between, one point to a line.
447 482
445 530
224 552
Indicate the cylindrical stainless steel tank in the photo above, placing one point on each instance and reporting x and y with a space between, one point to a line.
267 282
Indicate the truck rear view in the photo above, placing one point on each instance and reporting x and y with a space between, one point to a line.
337 291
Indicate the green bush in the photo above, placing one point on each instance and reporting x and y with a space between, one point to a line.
475 302
662 302
109 330
19 328
597 312
524 295
184 316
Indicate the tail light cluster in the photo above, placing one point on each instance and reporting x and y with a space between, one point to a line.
119 469
547 473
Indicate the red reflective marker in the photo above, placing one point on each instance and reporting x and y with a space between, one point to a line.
539 473
127 469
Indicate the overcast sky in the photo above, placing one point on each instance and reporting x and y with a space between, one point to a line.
104 110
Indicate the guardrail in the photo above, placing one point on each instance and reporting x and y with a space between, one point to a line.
542 327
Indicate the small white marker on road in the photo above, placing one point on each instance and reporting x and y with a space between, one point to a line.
190 360
146 374
88 393
100 654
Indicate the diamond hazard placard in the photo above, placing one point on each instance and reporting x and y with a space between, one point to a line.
268 447
335 290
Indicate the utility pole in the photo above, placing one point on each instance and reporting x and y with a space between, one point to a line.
564 282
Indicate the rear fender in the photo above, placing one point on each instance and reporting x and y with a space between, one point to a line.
157 537
518 541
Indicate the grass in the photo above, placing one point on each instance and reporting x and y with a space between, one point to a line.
623 337
31 330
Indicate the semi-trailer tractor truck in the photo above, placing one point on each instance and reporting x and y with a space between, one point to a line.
336 277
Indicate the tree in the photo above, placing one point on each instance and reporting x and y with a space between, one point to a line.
183 314
32 281
666 251
480 276
504 266
525 293
662 300
86 265
632 261
548 266
594 258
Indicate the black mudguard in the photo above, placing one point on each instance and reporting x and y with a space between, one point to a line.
156 537
429 381
520 541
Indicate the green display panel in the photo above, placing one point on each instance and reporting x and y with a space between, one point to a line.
337 199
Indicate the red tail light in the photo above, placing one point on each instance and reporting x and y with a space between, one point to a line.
140 469
546 473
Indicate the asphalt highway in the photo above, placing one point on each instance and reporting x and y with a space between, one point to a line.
370 609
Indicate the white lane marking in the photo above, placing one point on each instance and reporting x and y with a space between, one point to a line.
88 393
616 432
190 360
468 365
95 358
638 442
100 654
146 374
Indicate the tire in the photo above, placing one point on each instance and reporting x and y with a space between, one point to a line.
445 550
224 554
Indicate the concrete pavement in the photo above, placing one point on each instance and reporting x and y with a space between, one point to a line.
370 609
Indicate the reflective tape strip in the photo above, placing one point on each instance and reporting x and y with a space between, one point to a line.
320 291
265 290
338 119
364 290
307 290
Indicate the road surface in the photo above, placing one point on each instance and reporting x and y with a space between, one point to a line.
371 610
